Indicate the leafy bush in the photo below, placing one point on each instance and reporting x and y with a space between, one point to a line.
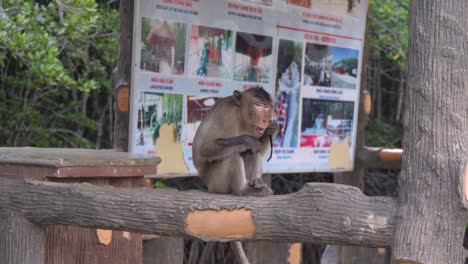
55 63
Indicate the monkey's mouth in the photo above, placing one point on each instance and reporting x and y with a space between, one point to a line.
260 130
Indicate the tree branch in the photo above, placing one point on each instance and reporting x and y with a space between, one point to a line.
319 213
380 158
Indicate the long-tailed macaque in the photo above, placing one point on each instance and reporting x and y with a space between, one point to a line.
229 144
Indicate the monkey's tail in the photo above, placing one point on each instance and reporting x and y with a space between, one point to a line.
271 148
239 252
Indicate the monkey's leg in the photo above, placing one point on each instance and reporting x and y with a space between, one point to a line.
253 165
253 172
226 176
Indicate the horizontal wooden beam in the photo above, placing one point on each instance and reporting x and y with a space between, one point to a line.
380 158
319 213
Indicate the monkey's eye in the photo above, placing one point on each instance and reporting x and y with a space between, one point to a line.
262 105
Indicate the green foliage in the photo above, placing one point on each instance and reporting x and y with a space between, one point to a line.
159 184
55 63
383 134
388 29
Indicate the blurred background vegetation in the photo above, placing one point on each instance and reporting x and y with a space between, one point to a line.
57 57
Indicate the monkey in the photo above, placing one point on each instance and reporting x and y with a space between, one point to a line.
229 144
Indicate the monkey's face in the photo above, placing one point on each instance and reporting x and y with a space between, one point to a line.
261 112
256 109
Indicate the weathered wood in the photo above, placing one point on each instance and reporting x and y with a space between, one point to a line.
260 252
41 172
322 213
348 254
380 158
65 163
431 217
156 251
59 157
20 240
76 245
70 244
121 76
354 255
265 251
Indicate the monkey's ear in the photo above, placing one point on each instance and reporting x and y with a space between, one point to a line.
236 95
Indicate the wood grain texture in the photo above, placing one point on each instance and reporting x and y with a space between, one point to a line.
431 218
60 157
42 172
319 213
76 245
260 252
168 250
20 240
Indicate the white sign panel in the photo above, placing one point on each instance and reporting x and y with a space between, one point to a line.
306 53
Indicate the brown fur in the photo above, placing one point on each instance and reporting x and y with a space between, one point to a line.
228 147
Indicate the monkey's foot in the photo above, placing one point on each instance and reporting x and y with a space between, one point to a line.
265 191
257 183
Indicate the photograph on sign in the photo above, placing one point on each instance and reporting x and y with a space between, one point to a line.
163 46
318 62
211 52
325 122
287 92
344 68
253 59
301 3
197 108
155 110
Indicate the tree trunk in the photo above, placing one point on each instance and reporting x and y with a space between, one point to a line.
20 240
320 213
431 218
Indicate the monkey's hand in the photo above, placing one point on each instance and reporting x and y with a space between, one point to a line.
252 144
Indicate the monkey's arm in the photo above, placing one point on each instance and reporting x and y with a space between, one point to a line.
225 147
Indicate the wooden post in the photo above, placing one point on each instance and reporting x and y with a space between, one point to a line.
121 77
163 250
122 90
269 252
72 244
20 240
347 254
